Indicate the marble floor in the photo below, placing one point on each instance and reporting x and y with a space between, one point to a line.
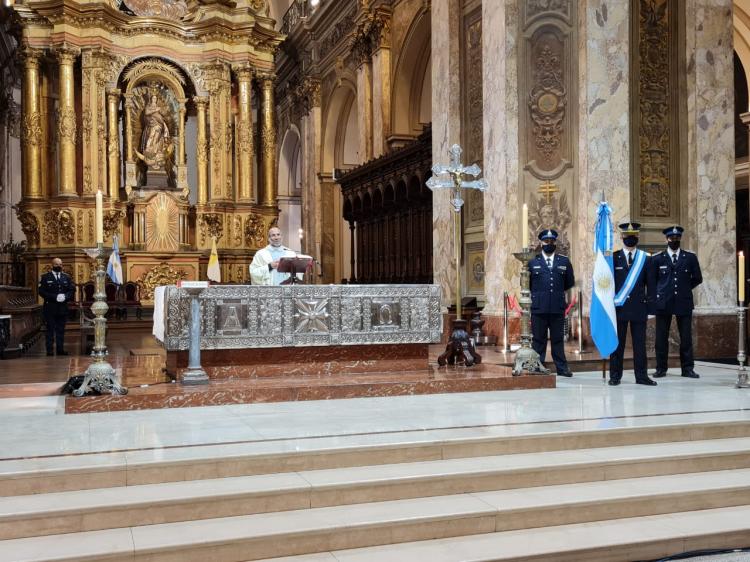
37 427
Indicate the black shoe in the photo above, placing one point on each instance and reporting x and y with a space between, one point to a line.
564 374
646 382
50 353
62 353
613 382
691 374
659 374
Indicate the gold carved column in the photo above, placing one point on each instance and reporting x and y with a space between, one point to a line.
31 129
66 121
244 140
268 141
113 144
201 103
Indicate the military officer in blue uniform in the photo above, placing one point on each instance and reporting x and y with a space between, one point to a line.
57 289
631 304
674 273
551 275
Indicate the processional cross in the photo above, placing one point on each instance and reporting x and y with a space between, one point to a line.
451 177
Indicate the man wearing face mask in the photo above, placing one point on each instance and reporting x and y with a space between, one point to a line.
631 280
674 273
551 276
57 289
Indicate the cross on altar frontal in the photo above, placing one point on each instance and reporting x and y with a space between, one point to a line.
547 189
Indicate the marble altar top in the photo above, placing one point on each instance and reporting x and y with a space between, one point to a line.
243 316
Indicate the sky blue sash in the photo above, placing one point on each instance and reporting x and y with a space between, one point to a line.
630 280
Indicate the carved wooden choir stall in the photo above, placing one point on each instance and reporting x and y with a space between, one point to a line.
389 211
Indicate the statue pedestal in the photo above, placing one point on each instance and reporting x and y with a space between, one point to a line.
157 178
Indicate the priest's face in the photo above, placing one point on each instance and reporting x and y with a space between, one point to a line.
274 237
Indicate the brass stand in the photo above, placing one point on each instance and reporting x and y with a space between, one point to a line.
100 376
526 358
742 379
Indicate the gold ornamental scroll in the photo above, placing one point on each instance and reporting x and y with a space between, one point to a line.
113 144
244 140
268 141
201 103
31 126
66 121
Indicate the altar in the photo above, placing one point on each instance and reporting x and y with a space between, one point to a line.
308 330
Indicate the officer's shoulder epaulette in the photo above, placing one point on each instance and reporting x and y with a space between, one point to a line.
563 256
688 252
659 253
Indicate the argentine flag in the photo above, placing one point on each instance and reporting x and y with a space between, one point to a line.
602 316
114 267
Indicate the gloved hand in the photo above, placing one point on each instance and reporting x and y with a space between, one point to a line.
60 297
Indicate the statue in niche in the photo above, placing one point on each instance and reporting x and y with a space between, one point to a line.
155 114
155 145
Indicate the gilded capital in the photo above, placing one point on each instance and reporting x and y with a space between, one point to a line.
113 93
244 73
201 101
67 54
30 57
266 79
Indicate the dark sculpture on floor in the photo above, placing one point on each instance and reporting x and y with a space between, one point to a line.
460 348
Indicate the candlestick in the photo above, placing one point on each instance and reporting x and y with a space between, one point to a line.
525 225
99 218
526 358
741 278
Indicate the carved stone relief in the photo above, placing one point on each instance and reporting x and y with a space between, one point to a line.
29 226
656 160
552 213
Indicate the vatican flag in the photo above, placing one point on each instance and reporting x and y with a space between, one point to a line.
602 316
214 269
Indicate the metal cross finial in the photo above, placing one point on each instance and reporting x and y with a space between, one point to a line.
547 189
455 182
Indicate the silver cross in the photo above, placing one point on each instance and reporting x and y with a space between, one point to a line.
455 182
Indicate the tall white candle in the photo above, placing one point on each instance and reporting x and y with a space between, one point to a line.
741 278
525 225
99 218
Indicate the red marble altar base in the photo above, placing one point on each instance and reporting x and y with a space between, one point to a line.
432 380
314 361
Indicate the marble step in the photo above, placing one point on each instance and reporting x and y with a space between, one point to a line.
616 540
320 530
150 466
109 508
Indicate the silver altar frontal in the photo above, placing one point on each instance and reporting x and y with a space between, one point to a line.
245 316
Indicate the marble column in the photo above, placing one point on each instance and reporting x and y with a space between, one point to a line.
312 212
446 131
709 213
604 127
364 109
268 141
113 144
244 141
31 126
201 156
66 121
381 88
502 202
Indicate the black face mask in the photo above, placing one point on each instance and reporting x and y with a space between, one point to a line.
548 248
57 269
630 241
674 245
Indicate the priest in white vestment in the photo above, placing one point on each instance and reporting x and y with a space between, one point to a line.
263 269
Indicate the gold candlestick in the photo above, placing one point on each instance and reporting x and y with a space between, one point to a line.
100 376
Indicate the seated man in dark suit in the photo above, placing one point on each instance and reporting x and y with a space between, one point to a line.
57 289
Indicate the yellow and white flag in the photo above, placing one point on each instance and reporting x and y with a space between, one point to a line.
214 269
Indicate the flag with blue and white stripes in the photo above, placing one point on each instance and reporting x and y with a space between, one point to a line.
602 315
114 266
